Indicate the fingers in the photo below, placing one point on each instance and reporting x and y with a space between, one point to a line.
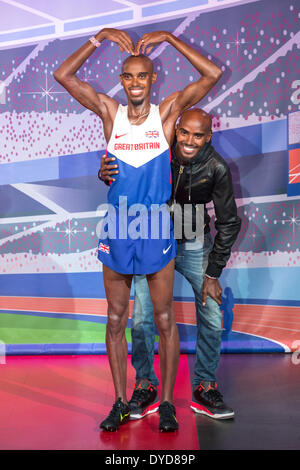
211 288
204 295
218 298
138 47
218 295
105 160
102 161
148 50
106 175
121 38
107 169
142 44
150 40
125 43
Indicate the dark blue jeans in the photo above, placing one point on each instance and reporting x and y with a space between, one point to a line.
191 261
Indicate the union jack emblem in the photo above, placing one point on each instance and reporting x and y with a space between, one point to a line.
104 248
151 134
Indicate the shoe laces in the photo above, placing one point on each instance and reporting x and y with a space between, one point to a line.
214 395
139 394
117 407
167 409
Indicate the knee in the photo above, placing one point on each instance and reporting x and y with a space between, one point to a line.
116 318
213 318
164 318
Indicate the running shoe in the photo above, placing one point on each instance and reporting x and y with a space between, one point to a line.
144 399
167 417
207 400
119 414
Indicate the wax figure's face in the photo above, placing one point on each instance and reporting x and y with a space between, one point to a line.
137 78
192 132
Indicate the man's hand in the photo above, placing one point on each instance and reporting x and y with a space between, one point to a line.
212 288
121 38
107 169
150 40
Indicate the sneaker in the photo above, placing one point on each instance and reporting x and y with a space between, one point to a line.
167 417
144 399
207 400
119 414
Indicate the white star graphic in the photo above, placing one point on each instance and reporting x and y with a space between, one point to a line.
45 92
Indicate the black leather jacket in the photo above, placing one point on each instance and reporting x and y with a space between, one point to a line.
207 178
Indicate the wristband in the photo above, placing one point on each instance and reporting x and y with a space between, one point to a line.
94 41
210 277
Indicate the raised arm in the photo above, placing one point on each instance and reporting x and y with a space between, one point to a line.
101 104
193 93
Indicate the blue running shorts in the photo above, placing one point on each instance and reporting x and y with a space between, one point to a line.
130 247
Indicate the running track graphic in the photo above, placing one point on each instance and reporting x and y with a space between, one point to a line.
278 323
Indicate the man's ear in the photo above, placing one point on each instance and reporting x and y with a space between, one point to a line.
208 138
154 77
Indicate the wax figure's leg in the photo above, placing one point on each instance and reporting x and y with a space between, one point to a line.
143 332
117 289
161 292
144 399
206 398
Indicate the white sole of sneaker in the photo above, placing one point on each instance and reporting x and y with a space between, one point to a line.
146 413
211 415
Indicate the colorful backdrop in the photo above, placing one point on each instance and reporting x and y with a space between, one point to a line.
52 297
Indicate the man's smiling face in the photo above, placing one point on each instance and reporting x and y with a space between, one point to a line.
192 132
137 78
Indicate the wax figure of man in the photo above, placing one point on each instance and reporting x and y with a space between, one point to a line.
144 178
200 175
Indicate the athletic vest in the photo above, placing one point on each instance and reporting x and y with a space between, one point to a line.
143 157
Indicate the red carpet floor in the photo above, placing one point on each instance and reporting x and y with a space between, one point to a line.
57 403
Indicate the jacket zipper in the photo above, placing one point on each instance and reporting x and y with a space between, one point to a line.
176 187
177 182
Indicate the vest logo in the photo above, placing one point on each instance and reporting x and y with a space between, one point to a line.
152 134
104 248
118 136
142 146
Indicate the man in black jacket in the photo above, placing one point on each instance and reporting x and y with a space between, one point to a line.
200 175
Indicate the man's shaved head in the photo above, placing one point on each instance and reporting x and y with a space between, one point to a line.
148 62
197 115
